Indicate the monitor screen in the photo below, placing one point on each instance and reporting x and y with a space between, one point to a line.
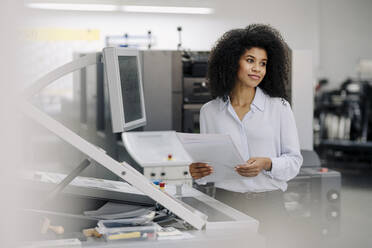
130 88
123 74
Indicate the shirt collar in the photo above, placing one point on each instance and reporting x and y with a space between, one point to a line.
258 100
224 104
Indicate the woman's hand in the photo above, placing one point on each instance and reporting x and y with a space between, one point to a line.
253 167
199 170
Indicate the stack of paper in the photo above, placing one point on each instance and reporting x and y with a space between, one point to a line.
112 210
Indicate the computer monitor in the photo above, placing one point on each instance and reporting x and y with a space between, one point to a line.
124 80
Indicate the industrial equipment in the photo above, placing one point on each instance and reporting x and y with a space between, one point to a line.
123 77
344 124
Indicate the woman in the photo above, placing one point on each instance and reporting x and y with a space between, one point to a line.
247 71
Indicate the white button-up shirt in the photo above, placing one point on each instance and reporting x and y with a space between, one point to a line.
267 130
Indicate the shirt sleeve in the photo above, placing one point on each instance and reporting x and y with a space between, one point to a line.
287 165
202 121
203 129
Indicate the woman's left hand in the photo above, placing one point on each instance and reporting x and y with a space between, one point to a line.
253 167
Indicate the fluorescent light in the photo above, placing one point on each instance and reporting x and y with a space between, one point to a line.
73 6
126 8
166 9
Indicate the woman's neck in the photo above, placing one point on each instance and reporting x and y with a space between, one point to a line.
242 95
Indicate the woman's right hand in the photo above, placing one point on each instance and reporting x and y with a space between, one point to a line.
199 170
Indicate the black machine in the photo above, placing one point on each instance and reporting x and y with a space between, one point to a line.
196 90
344 135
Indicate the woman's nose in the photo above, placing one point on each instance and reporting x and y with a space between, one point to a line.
256 68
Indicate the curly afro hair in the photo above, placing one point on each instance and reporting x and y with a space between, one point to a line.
223 64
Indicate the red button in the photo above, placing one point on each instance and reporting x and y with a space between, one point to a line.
323 169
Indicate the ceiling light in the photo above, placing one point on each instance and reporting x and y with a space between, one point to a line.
73 6
125 8
166 9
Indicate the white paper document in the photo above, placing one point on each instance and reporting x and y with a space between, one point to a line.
218 150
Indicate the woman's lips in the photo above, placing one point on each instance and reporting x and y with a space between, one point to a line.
254 77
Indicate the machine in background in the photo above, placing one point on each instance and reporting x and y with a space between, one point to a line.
174 88
196 90
313 197
344 130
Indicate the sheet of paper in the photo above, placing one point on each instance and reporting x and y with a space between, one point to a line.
113 210
218 150
89 182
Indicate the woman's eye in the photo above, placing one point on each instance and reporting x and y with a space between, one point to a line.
263 64
250 60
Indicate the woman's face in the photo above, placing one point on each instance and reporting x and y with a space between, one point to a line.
252 67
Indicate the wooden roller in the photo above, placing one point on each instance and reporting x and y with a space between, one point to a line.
46 226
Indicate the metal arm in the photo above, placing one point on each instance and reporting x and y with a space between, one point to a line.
67 180
90 59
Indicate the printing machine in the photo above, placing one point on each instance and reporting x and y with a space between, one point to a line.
312 200
224 226
58 202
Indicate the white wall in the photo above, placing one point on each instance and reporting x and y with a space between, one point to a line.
336 31
303 96
296 19
345 38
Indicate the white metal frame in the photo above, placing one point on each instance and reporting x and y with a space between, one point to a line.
111 59
123 170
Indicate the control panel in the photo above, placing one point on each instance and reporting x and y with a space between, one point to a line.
170 175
